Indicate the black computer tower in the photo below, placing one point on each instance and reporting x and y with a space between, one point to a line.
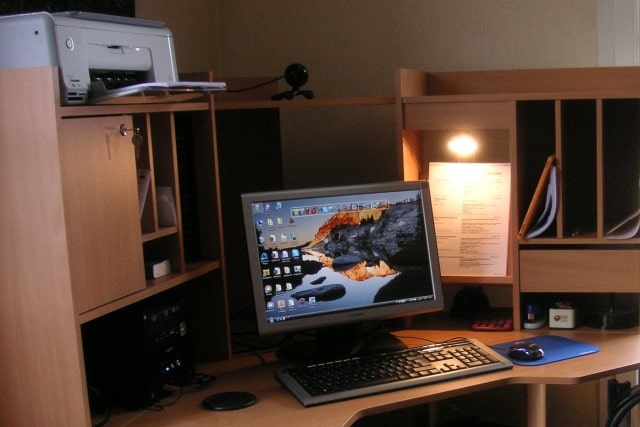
134 357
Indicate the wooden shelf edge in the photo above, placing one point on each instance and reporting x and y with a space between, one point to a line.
550 289
319 102
524 96
163 232
478 280
584 328
153 287
122 109
553 241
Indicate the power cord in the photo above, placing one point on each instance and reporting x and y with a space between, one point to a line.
99 404
296 75
198 382
246 89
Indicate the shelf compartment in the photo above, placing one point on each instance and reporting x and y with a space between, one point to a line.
536 140
197 174
621 159
578 186
590 307
427 127
153 287
144 160
166 247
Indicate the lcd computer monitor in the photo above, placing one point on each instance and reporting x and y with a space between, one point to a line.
325 259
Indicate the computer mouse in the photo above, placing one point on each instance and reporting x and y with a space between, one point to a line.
524 350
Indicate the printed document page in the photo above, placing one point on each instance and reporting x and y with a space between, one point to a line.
471 211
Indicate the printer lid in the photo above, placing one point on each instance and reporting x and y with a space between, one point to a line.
114 19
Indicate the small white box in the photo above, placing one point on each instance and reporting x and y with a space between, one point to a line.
157 268
563 318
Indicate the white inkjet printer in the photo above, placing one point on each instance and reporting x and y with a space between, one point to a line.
92 51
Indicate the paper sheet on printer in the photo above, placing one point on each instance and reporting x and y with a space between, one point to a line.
168 87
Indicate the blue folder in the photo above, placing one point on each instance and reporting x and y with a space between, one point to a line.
555 348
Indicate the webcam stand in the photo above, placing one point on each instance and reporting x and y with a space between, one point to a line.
290 94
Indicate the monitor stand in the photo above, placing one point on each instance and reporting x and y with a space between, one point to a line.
337 343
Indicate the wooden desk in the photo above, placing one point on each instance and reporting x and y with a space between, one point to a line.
619 352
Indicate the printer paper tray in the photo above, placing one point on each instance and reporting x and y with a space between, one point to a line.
156 92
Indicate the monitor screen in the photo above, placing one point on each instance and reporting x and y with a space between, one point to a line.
332 256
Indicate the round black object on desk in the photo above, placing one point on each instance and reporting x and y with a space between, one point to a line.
229 401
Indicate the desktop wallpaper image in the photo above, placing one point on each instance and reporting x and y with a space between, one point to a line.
339 254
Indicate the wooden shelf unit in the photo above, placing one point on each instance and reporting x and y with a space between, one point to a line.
76 239
179 149
79 240
590 119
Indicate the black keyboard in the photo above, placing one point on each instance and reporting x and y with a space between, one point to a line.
360 376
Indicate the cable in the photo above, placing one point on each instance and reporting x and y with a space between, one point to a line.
199 380
95 398
623 407
246 89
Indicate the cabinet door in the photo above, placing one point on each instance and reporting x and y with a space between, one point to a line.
101 210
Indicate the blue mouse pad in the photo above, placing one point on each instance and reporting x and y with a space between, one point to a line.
555 348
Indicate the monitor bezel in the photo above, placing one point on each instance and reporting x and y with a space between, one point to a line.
333 319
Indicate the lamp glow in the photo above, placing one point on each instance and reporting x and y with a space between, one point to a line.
463 145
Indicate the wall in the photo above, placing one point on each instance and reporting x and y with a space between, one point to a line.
194 24
618 32
352 48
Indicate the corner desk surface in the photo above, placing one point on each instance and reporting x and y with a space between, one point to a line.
619 352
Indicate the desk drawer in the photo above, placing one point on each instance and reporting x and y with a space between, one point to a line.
580 270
